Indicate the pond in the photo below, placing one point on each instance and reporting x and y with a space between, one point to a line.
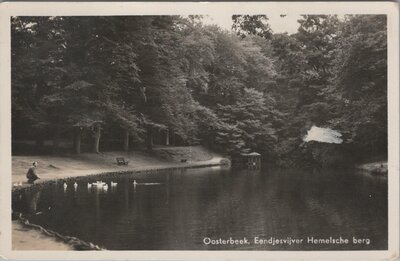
197 209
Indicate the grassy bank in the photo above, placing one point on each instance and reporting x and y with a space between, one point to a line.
70 165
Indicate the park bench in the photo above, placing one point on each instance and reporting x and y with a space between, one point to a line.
122 161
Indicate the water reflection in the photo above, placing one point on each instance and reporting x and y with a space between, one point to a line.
33 199
190 205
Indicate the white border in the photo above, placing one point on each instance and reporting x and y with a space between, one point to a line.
153 8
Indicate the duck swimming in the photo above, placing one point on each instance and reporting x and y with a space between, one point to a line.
99 183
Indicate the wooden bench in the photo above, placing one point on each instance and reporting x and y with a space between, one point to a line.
122 161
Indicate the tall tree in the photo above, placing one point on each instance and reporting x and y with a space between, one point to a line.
359 88
245 125
251 25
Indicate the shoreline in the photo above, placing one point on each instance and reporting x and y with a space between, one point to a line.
25 237
379 168
70 165
42 239
29 237
139 170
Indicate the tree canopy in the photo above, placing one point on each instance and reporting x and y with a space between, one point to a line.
174 80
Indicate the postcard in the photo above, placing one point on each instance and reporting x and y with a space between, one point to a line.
199 130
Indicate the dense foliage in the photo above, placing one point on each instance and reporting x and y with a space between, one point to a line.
173 80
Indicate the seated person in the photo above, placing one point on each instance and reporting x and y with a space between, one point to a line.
31 175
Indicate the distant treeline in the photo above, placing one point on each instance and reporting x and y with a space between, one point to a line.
175 80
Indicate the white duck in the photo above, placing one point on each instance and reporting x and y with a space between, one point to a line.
75 185
134 182
105 187
89 185
113 183
98 183
65 185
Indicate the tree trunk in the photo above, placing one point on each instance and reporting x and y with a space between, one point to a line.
149 138
167 137
126 140
97 134
77 141
173 139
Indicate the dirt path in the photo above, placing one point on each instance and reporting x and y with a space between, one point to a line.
30 239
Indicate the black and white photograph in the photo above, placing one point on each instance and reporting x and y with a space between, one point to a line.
241 131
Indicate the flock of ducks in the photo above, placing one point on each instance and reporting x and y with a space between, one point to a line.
98 184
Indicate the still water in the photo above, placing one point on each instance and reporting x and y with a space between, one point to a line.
190 208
